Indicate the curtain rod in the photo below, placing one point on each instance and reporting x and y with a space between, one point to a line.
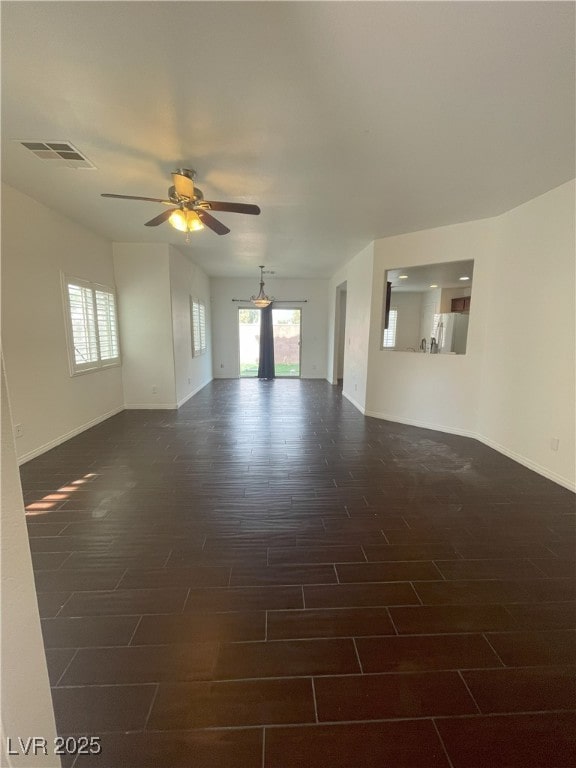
276 301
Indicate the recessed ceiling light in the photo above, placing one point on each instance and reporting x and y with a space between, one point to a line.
434 285
402 277
464 278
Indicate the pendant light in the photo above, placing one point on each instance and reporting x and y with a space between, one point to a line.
261 301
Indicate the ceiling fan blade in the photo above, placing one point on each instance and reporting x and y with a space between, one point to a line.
136 197
214 224
234 207
160 219
183 185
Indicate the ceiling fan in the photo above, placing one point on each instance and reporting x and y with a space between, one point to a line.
191 211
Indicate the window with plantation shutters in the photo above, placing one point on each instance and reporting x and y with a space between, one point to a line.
389 339
198 320
106 325
92 325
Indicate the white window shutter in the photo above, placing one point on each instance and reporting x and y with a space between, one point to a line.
107 327
389 339
198 320
92 325
83 324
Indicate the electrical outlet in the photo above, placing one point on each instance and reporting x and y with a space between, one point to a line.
18 430
221 365
554 443
154 390
189 380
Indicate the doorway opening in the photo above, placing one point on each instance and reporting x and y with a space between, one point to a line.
339 335
287 329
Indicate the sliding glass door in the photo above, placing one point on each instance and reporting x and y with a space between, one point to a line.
287 342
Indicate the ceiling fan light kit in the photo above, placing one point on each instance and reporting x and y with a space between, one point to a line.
191 213
261 300
185 221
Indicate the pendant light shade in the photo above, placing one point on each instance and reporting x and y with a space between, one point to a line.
261 300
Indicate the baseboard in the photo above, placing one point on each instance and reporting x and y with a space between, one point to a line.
519 458
151 406
191 394
356 404
99 419
534 466
423 424
63 438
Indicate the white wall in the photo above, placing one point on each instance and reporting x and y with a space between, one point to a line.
145 317
225 320
357 275
25 690
527 374
50 405
186 280
435 391
514 387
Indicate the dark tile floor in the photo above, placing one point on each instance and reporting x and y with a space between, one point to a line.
266 578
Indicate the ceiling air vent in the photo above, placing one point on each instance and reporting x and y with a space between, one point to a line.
60 153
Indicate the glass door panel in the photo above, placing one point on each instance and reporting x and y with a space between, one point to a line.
249 341
287 340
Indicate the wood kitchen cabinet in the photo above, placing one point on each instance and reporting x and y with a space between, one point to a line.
461 304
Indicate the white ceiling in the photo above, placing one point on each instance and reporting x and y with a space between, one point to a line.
420 279
344 121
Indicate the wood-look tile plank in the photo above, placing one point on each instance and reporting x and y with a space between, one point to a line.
88 631
534 648
543 740
256 575
359 595
469 592
51 603
228 748
402 744
183 706
425 652
403 552
76 581
92 709
200 627
535 689
244 599
286 658
328 622
374 697
488 569
193 576
57 659
124 602
141 664
544 615
318 554
413 570
430 619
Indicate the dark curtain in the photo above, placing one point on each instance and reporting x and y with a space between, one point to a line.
266 364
